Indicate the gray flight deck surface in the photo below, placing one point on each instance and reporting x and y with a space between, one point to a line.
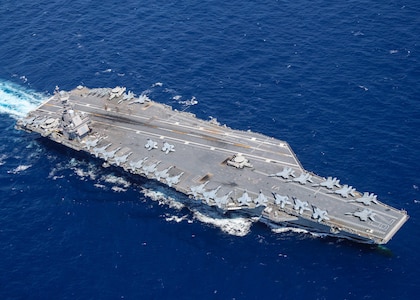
229 169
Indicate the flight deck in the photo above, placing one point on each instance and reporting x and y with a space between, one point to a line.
212 164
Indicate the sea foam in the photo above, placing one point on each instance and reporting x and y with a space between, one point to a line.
17 101
238 226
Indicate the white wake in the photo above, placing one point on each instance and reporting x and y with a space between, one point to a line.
16 101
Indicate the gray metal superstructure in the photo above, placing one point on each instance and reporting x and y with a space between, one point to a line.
228 169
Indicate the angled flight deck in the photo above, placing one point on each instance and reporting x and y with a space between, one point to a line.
227 169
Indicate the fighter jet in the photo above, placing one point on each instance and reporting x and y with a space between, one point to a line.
121 159
366 199
281 200
163 174
168 147
91 143
141 99
101 150
261 199
211 194
363 215
128 96
303 178
198 189
244 199
301 205
222 201
320 214
174 179
150 168
345 191
150 145
286 173
110 154
137 165
329 183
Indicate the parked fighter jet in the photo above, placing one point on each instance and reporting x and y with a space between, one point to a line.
364 215
345 191
168 147
366 199
244 199
300 205
261 199
150 168
128 96
286 173
329 183
121 159
101 150
91 143
211 194
141 99
222 201
320 214
174 179
150 145
137 165
281 200
110 154
163 174
198 189
303 178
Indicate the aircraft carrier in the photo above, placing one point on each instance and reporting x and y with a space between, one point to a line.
214 165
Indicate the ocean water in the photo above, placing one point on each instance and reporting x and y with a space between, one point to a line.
338 80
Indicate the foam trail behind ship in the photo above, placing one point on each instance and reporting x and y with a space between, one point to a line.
16 100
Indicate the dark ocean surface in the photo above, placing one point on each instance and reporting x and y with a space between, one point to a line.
338 80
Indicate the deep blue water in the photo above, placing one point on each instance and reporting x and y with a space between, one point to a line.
338 80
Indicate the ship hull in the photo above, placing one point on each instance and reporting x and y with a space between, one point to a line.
214 165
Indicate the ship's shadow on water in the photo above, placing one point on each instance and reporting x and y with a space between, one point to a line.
176 207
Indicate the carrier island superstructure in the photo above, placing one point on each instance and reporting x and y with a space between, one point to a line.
214 165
